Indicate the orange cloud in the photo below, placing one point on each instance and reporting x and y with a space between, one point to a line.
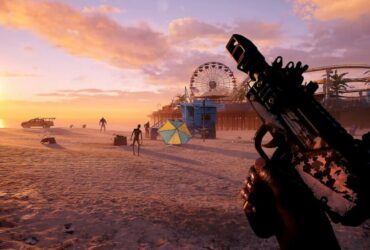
101 9
331 9
195 34
164 59
263 34
75 93
198 42
110 99
185 29
176 71
93 36
16 74
336 42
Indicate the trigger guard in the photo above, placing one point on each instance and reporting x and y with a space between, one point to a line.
260 133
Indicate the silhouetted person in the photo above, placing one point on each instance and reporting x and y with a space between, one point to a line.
138 137
276 204
102 124
146 126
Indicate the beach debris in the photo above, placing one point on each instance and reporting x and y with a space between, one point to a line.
174 131
48 140
120 140
32 240
68 228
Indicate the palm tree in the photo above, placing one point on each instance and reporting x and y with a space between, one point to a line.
337 84
179 99
238 94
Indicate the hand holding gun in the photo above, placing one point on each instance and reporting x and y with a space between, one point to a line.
276 204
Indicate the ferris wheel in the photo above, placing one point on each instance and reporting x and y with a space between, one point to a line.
212 80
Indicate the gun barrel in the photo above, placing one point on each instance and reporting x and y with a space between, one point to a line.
246 54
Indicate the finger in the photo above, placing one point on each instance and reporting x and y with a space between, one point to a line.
261 170
248 182
243 194
248 185
252 174
259 164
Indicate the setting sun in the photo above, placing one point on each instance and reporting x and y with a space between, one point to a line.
2 124
1 87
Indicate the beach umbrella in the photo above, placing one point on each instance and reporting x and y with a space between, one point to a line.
174 132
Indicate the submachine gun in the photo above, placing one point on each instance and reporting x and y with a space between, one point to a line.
305 134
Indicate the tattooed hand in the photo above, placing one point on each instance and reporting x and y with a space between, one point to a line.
279 204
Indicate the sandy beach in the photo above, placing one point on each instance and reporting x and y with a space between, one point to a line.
85 193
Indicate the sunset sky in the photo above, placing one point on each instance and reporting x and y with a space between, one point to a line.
78 60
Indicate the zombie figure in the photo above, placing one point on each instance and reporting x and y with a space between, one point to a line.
138 138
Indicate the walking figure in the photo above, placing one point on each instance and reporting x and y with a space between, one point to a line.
138 136
146 126
102 124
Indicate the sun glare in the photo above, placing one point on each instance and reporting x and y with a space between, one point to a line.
2 123
1 87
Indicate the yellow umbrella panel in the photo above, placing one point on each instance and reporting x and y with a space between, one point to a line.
175 132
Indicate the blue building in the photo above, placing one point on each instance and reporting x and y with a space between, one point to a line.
200 116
